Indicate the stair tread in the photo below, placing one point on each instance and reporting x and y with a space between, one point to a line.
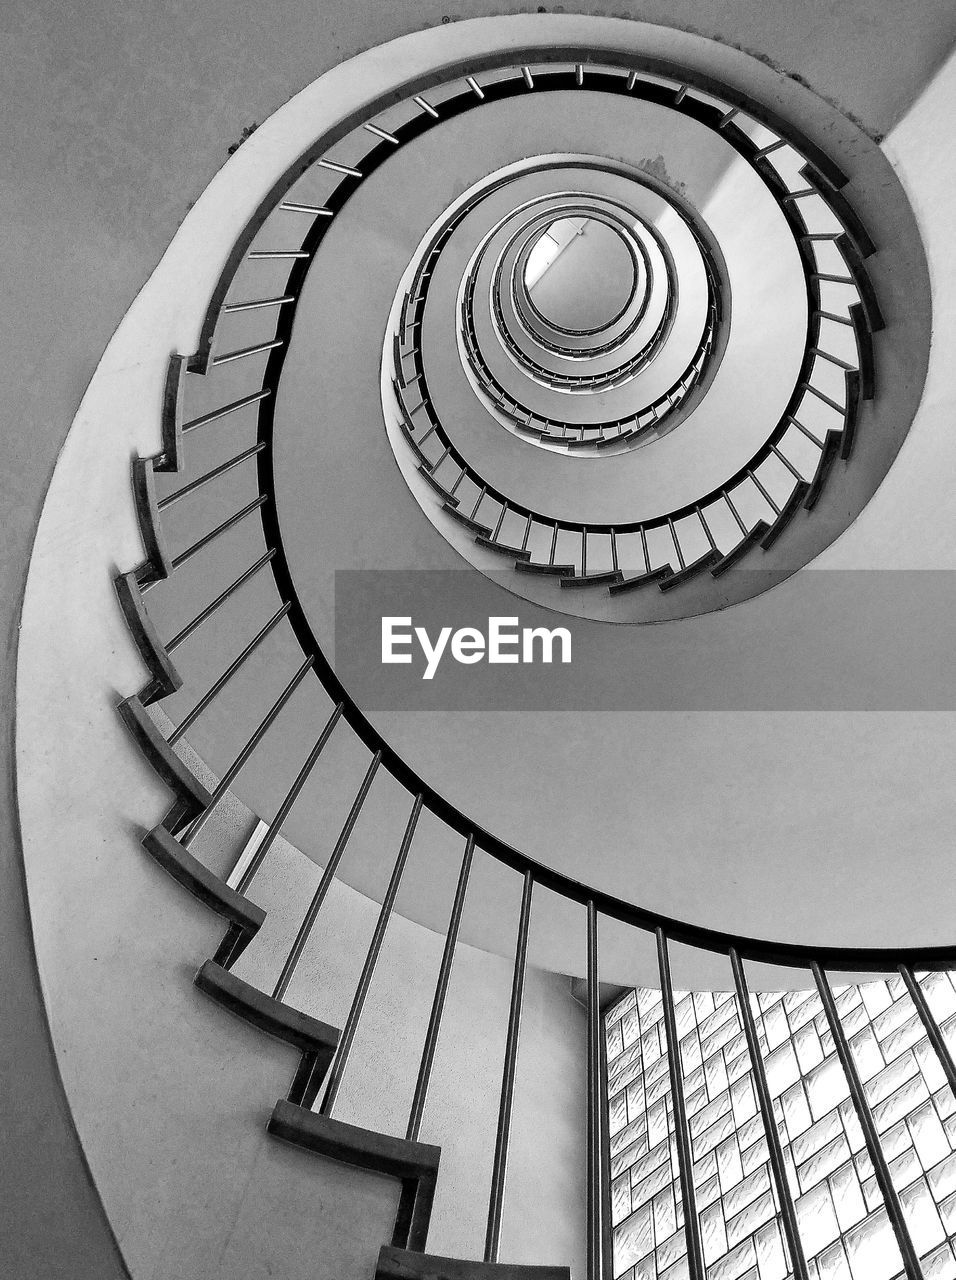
593 579
642 580
706 561
547 570
832 444
269 1015
750 539
516 553
201 882
474 525
363 1148
787 512
174 772
165 678
437 486
403 1264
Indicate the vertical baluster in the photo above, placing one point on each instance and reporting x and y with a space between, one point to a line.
499 1168
706 528
894 1208
337 1069
500 522
219 601
735 513
930 1025
554 543
766 496
798 1263
274 826
527 533
695 1257
302 937
598 1183
604 1135
676 541
614 564
229 777
584 551
438 1002
234 666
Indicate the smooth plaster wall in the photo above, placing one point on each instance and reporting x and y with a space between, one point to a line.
116 115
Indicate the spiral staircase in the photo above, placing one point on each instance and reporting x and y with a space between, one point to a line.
341 365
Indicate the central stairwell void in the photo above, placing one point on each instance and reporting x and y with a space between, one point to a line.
731 408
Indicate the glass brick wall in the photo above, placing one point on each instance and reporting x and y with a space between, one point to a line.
842 1222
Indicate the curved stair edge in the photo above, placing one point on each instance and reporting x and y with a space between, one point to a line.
414 1164
203 883
165 679
281 1021
404 1264
174 772
158 563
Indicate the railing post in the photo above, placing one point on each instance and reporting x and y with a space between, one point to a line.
229 777
337 1070
598 1187
441 990
499 1168
884 1180
695 1257
930 1025
335 857
220 683
291 796
798 1263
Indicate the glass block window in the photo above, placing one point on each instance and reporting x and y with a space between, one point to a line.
841 1218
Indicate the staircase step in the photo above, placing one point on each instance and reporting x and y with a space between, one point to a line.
752 538
853 398
203 883
832 444
592 579
864 342
546 570
172 414
165 678
440 489
467 521
514 553
271 1016
642 580
414 446
174 772
402 1264
158 563
706 561
415 1164
787 512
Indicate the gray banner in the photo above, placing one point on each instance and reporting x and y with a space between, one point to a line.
871 640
